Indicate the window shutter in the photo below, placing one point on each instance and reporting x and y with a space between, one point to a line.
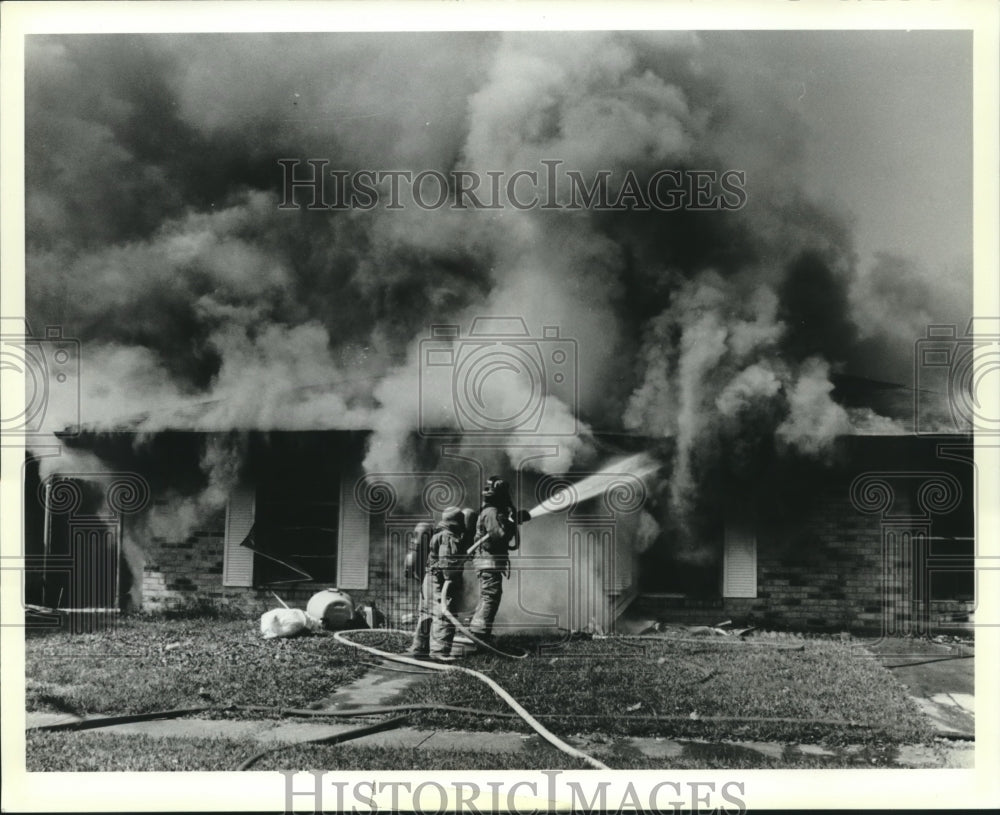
237 561
353 542
624 565
739 561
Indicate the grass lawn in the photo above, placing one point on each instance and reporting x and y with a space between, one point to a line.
153 664
614 686
793 691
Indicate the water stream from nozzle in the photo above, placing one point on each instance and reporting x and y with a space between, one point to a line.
640 465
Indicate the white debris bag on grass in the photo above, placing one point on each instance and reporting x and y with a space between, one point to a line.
287 622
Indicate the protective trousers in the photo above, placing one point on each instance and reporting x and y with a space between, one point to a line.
490 591
442 629
425 613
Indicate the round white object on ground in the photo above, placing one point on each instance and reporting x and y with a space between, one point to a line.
335 608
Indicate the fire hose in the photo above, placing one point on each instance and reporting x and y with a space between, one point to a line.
336 738
538 727
485 645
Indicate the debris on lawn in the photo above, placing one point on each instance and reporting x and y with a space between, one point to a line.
329 609
338 612
594 628
287 622
649 630
334 608
679 630
947 639
627 625
705 631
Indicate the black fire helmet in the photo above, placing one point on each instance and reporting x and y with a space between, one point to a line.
452 516
496 491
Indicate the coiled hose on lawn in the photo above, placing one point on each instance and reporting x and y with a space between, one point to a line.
538 727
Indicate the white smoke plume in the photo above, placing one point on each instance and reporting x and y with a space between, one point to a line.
715 368
174 515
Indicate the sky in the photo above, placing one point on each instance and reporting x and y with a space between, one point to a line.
889 115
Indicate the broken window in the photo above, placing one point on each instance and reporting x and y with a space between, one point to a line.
297 511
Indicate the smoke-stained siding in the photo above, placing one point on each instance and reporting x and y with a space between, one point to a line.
237 561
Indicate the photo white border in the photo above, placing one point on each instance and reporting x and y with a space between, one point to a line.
258 790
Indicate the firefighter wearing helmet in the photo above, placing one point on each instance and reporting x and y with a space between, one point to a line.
445 564
496 527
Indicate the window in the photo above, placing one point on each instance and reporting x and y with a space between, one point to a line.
294 517
297 514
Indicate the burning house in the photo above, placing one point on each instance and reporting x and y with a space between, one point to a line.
274 389
878 536
294 512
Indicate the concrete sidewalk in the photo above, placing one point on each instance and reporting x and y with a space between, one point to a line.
616 750
938 676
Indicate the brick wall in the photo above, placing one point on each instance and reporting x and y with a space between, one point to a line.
175 573
825 574
823 571
188 574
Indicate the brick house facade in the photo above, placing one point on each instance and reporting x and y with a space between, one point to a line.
882 539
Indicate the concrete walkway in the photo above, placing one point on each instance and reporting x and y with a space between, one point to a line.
273 732
380 686
939 677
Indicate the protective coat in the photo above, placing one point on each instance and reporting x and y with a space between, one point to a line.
445 563
497 527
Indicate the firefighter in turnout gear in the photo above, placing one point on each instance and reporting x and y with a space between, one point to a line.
497 535
417 555
445 564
